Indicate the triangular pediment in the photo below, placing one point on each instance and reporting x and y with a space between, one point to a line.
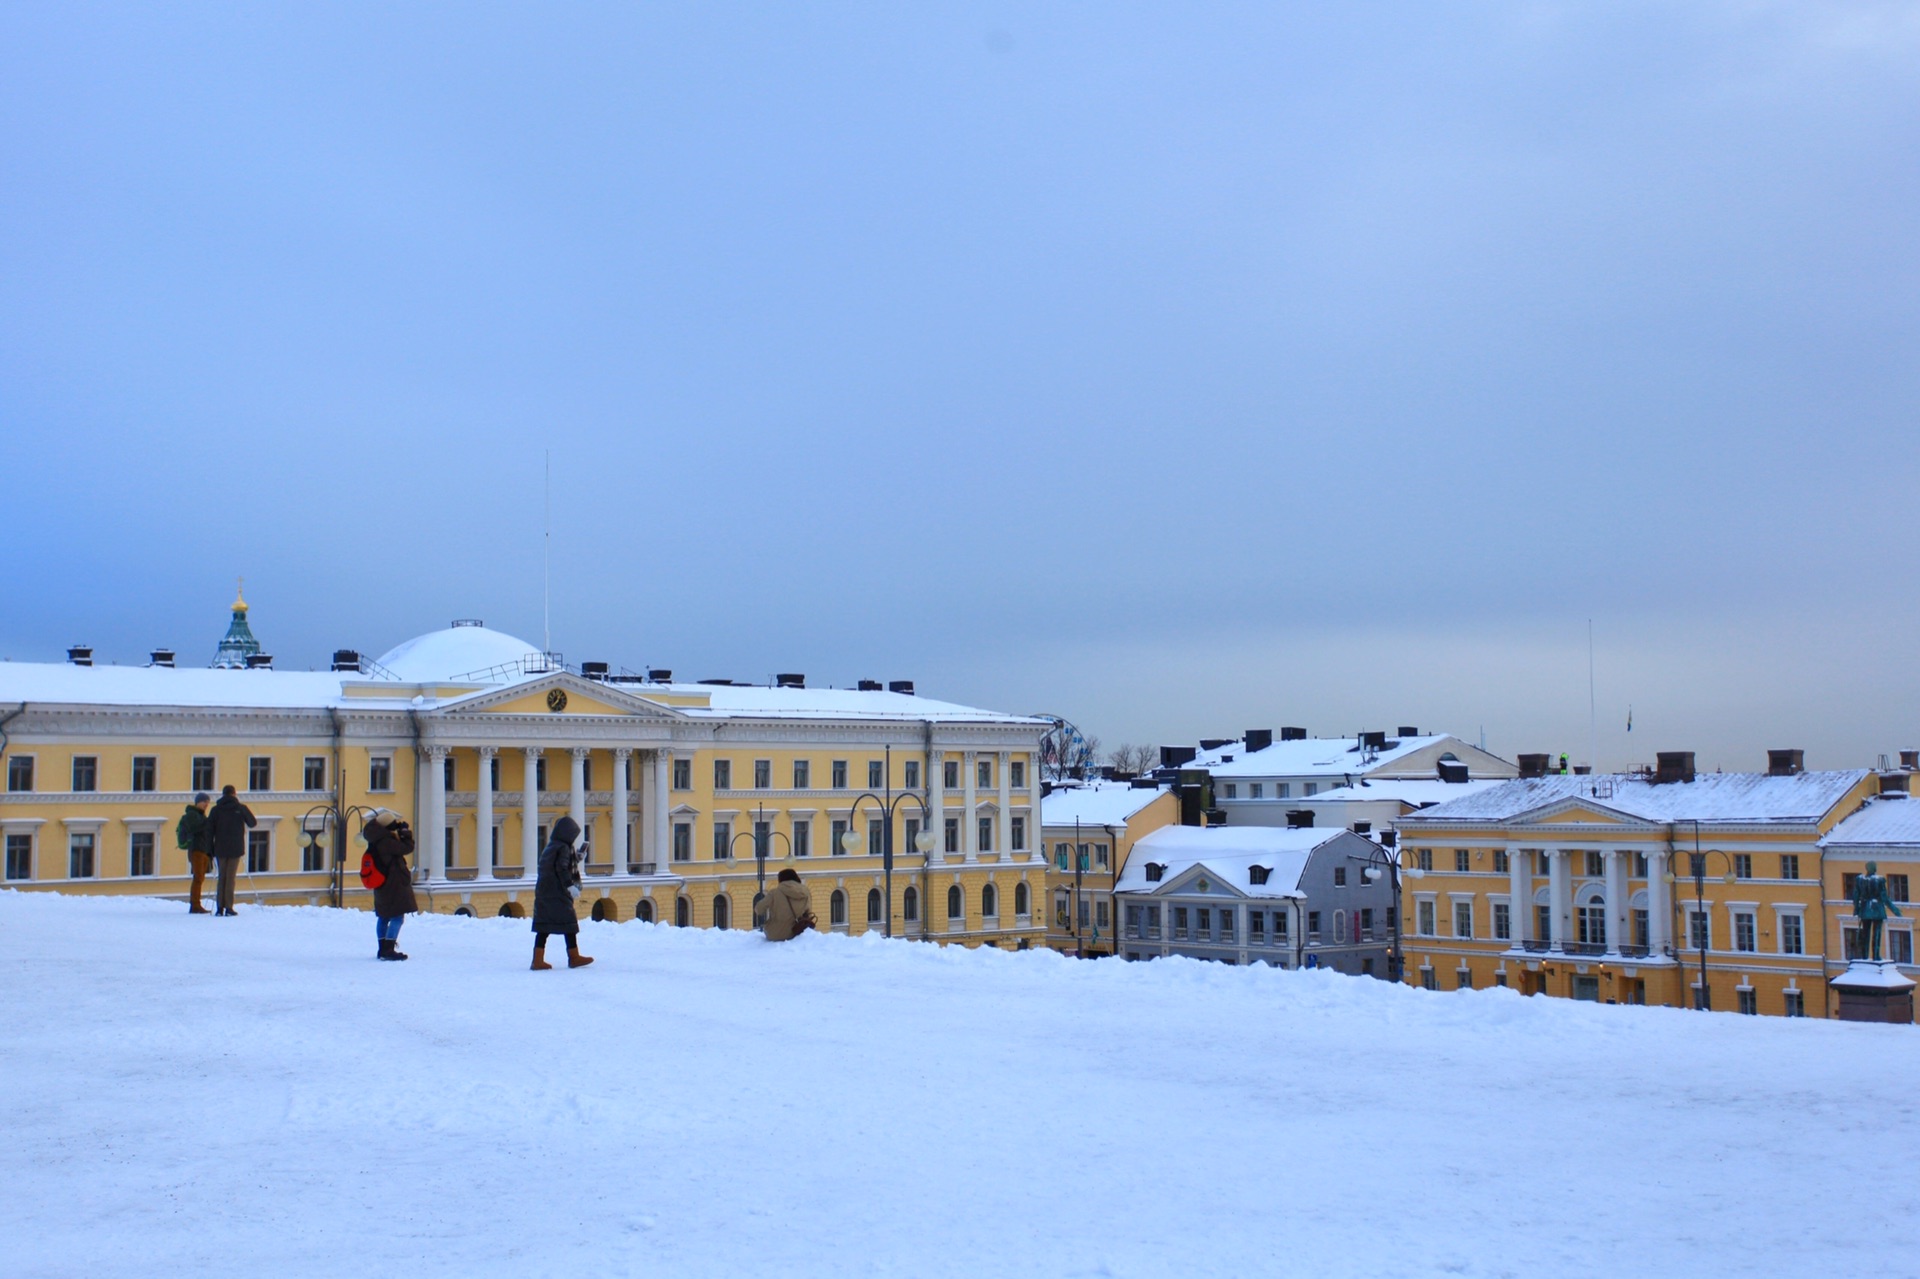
1200 879
1575 812
560 695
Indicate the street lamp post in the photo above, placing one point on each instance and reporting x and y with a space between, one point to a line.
1699 868
762 833
1376 863
853 841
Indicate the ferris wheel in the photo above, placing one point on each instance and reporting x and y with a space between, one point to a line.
1063 749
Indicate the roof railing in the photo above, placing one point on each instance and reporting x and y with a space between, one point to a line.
531 664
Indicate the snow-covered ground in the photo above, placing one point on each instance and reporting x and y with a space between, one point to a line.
258 1096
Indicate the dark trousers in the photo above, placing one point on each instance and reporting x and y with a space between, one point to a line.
540 939
223 888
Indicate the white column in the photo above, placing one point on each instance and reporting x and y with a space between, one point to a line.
577 800
1035 844
621 755
1003 830
649 805
530 816
1619 916
970 824
937 804
662 807
1558 896
1659 911
483 816
436 812
1519 896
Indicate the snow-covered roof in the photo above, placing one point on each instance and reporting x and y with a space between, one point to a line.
1709 797
62 684
1228 853
754 700
1096 804
1405 790
459 652
1309 757
1886 821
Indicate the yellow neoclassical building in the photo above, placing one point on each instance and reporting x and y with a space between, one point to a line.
1721 890
482 741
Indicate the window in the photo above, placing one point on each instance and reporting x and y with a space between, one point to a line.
683 841
313 854
876 836
19 857
1748 1004
722 841
1423 914
873 906
140 853
910 905
1463 919
1500 864
1463 979
1793 940
259 852
379 774
1017 774
1086 922
1596 865
839 774
683 774
540 773
1697 865
1743 865
723 911
1022 900
985 835
315 773
1100 856
802 774
802 837
1744 931
1339 925
1202 921
1232 790
983 774
838 836
1279 927
1017 838
1699 934
80 855
1897 887
876 774
1177 922
956 904
1132 917
1062 851
1339 876
682 912
1542 922
1423 858
1542 864
723 774
1226 920
86 772
1257 875
1462 860
1900 945
1282 790
260 772
763 774
1790 866
1257 927
1310 788
1592 924
1427 981
145 771
1502 922
1313 924
1640 865
1796 1004
950 774
1642 936
990 901
910 774
20 773
763 839
448 773
1256 790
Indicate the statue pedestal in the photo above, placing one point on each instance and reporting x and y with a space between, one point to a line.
1874 990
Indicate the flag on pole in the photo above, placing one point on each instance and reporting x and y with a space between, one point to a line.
1629 719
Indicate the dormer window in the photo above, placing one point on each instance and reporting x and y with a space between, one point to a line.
1154 871
1258 874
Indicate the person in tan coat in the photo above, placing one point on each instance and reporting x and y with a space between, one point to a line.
787 910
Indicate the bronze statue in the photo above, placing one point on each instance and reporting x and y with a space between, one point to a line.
1871 903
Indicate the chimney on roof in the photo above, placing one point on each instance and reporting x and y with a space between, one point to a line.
1258 739
1374 741
81 655
346 659
1910 760
161 657
790 679
1534 765
1175 756
1293 734
869 686
904 686
594 670
1214 743
1786 763
660 676
1408 731
1895 783
1299 818
1452 770
1672 766
259 661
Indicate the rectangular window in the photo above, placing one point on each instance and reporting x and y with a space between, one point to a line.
1793 940
985 835
203 773
1502 922
683 841
259 772
1900 945
1282 790
80 856
313 854
1423 916
1178 919
1640 865
1463 979
1313 924
1279 927
259 852
493 773
876 774
763 839
683 774
1311 788
723 774
379 774
1423 858
1743 865
1897 887
876 836
839 774
1087 922
1339 876
1500 865
910 774
1060 854
950 774
911 842
19 857
722 841
1641 934
1017 774
1542 864
983 773
802 774
1017 838
1257 927
314 772
1789 865
1462 861
1427 980
1256 790
1699 935
448 774
1748 1004
951 832
1100 856
1080 861
802 837
1133 921
1697 865
1542 923
1744 933
20 773
140 853
838 837
763 774
540 780
86 772
1232 790
146 771
1226 921
1796 1003
1463 919
1596 865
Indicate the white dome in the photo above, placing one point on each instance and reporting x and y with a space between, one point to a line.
457 651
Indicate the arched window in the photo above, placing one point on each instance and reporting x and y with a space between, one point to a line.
990 902
837 909
1339 925
911 905
956 904
722 911
512 910
1022 905
464 911
682 912
873 906
644 911
604 909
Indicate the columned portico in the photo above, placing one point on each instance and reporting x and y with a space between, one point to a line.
937 801
970 788
622 756
577 794
657 817
1003 824
1619 911
483 815
1559 899
436 831
530 816
1519 897
1659 908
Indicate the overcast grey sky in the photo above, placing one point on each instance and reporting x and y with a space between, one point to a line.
1180 369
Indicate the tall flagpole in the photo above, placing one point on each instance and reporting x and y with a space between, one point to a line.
546 568
1593 720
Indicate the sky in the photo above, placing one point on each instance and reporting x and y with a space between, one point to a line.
1177 369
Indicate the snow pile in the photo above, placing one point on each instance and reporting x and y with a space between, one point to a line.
258 1096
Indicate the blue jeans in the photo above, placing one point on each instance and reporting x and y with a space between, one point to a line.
387 927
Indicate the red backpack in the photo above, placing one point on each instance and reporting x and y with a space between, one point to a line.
370 873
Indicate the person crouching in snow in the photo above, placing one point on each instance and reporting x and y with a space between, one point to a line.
787 910
389 844
553 895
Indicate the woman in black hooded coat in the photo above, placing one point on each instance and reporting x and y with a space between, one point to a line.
553 894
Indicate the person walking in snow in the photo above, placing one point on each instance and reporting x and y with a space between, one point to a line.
389 844
787 910
228 824
194 834
553 896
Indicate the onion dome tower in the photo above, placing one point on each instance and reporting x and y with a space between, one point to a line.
238 644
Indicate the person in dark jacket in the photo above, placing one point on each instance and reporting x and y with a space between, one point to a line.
553 895
228 824
390 843
194 834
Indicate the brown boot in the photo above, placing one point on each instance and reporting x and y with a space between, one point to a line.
574 958
540 963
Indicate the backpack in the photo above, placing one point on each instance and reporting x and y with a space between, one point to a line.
371 876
